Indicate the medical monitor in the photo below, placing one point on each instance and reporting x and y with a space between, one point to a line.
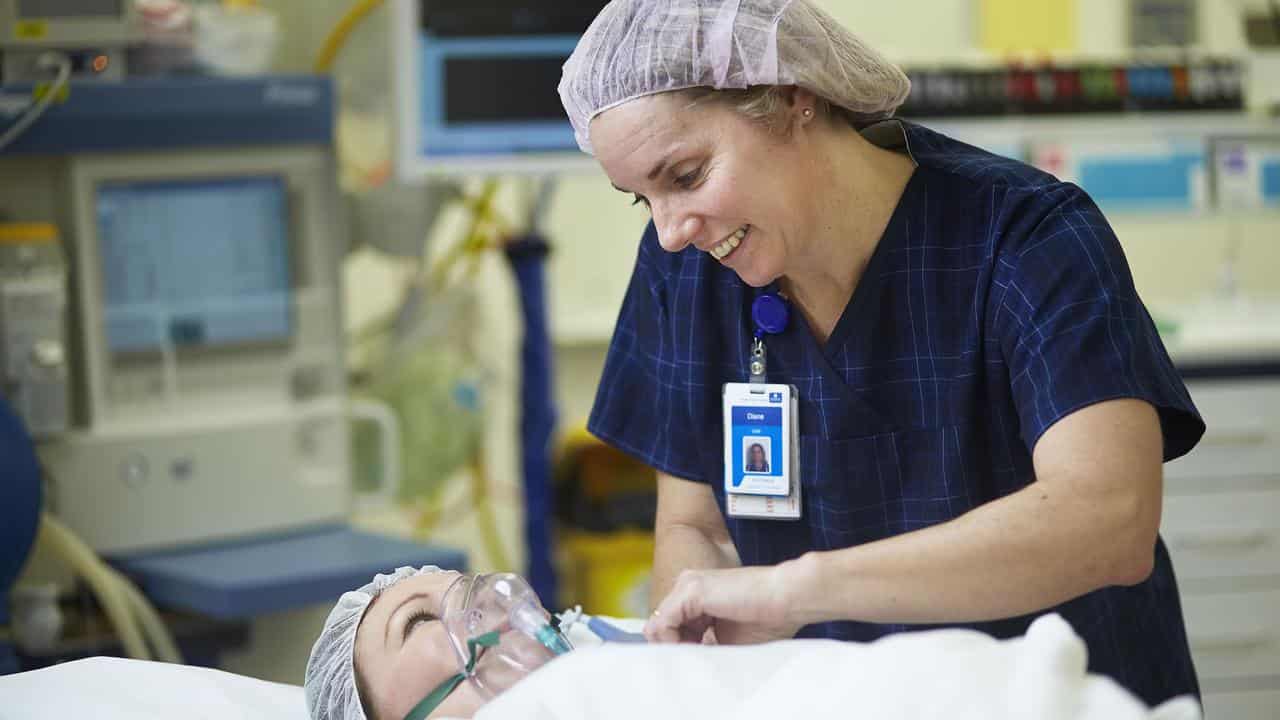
203 278
476 84
194 263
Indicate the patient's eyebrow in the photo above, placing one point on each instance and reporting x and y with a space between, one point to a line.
386 633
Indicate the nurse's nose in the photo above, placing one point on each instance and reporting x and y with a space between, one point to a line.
676 233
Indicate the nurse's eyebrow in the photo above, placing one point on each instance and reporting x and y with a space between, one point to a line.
654 173
662 165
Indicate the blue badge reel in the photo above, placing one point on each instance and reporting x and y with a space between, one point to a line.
761 430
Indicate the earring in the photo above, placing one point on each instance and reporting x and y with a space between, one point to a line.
807 113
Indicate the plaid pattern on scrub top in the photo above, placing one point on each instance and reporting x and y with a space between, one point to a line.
997 302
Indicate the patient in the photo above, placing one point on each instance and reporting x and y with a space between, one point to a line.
423 643
428 643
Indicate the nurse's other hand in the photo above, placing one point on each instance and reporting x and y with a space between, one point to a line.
741 605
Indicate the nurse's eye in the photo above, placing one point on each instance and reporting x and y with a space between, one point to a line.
418 618
640 199
689 179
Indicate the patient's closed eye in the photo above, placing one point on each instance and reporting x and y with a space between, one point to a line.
419 617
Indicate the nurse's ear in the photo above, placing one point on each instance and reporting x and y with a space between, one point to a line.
802 106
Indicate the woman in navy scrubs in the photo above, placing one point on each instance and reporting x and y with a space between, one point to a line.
984 402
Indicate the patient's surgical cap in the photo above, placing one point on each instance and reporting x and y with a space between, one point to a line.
643 47
330 680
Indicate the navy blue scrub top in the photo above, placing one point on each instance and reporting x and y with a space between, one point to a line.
997 302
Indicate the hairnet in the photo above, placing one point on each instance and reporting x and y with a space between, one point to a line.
641 47
330 680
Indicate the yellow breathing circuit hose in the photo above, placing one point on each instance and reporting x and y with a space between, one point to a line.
338 36
475 240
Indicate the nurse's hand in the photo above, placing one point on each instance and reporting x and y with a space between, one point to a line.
740 605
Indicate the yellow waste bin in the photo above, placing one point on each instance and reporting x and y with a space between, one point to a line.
608 573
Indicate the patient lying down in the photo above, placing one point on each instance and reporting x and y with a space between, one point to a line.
427 643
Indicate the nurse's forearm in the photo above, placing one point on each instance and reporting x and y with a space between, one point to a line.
1011 557
689 534
1090 522
678 548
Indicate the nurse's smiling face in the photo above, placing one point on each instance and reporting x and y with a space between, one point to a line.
403 653
716 180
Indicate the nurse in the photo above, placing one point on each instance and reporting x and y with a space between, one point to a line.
983 404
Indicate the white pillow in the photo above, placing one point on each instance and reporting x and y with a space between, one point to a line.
106 688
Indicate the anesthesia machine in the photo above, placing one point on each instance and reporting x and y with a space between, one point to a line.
193 390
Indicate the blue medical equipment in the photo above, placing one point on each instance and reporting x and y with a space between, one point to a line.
538 420
208 453
20 498
611 633
253 577
206 353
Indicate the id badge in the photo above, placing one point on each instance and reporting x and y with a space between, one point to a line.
761 454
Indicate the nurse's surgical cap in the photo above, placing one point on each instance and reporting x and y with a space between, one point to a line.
330 680
636 48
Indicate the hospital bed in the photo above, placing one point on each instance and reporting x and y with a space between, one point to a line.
951 674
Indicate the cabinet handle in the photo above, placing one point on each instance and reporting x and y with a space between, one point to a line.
1221 540
1238 439
1231 642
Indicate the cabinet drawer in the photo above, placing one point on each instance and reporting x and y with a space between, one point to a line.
1251 705
1235 634
1223 534
1243 435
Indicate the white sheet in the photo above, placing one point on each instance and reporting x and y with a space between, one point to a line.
946 674
104 688
951 674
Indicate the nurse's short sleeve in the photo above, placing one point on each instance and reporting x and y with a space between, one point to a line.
1071 326
642 404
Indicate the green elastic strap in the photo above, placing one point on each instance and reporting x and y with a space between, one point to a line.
437 696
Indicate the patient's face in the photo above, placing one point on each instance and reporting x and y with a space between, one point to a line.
403 651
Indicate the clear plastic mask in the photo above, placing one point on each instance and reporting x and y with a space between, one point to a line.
499 632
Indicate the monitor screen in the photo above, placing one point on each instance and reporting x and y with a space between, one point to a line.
194 263
472 91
